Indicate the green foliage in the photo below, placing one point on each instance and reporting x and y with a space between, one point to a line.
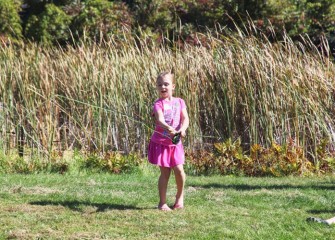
208 13
200 162
36 7
58 162
308 16
12 163
325 155
203 13
154 14
112 162
101 19
227 158
10 23
319 17
277 160
254 8
19 165
49 27
230 158
34 3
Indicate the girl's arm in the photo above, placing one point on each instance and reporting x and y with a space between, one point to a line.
159 116
184 122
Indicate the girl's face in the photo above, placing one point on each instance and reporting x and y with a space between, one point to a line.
165 86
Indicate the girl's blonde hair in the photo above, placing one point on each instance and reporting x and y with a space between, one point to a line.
165 73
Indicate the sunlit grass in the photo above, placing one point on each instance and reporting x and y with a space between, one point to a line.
86 206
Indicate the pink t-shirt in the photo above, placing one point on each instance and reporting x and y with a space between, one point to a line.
172 115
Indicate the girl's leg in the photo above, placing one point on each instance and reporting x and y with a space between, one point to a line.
180 181
162 188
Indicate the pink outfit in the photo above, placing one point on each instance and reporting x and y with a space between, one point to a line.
166 156
162 151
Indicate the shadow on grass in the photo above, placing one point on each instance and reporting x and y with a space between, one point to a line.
332 211
79 205
249 187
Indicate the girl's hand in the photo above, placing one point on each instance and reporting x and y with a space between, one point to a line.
183 133
172 131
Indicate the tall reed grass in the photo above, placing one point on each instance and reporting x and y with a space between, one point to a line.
98 97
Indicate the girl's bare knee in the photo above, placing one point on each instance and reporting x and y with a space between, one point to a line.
179 170
165 172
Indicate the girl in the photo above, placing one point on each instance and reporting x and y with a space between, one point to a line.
170 118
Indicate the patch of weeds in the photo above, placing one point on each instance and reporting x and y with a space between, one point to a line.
113 162
228 158
12 163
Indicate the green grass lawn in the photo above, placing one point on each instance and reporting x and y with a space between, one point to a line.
103 206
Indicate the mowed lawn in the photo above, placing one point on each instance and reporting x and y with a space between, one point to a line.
105 206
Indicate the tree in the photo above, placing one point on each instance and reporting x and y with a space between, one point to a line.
49 27
312 17
10 23
101 18
153 14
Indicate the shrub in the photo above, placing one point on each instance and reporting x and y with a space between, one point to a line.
325 155
279 160
101 19
113 162
49 27
230 158
12 163
200 162
154 14
10 23
202 12
297 17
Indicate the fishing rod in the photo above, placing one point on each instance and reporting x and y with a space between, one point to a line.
175 138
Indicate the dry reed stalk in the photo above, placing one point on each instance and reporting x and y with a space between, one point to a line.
87 97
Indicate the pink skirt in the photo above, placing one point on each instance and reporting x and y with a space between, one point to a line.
166 156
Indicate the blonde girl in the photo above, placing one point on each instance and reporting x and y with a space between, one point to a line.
171 118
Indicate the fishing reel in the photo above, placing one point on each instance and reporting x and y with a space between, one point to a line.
176 138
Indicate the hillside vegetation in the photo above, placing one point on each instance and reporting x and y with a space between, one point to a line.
265 99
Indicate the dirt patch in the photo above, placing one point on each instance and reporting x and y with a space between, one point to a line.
34 190
26 234
18 234
22 234
84 235
193 189
28 208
